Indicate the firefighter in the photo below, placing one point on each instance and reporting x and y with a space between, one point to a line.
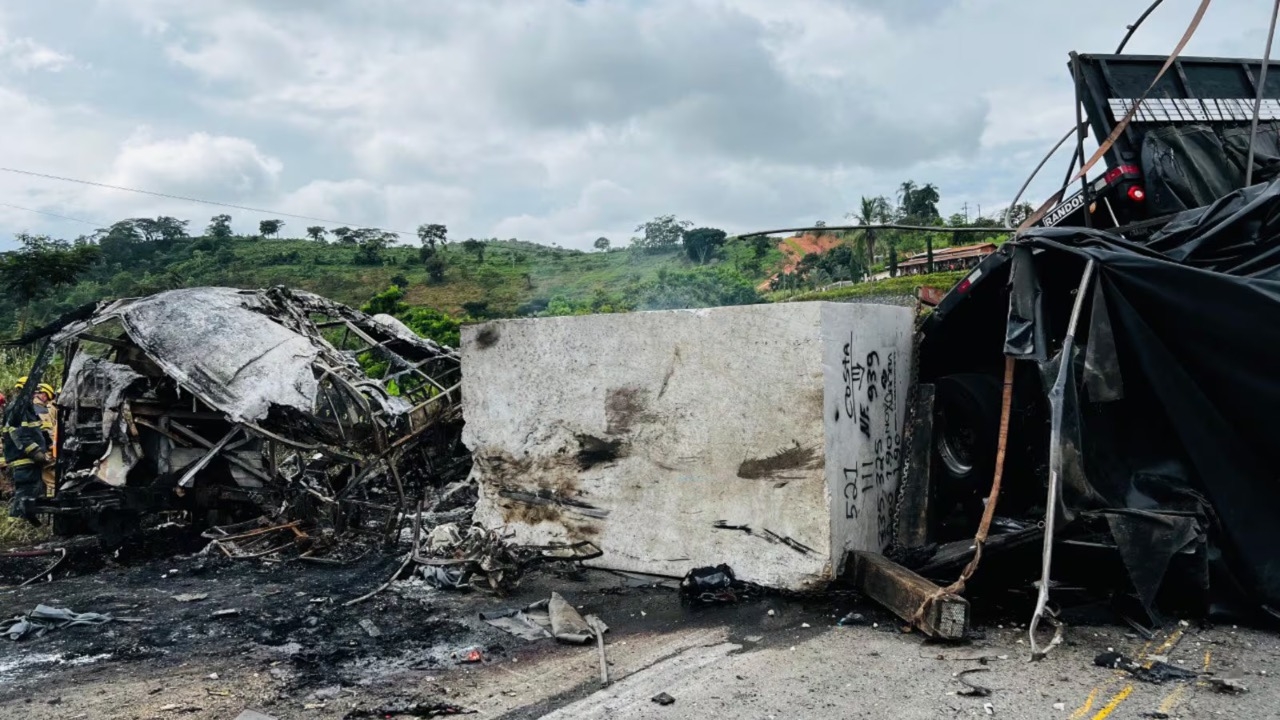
43 401
26 452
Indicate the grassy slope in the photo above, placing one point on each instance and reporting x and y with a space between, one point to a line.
512 272
905 285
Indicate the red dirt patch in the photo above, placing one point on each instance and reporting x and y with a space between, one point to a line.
795 248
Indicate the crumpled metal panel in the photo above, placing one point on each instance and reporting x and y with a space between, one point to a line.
222 345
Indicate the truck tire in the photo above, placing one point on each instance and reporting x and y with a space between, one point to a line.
965 434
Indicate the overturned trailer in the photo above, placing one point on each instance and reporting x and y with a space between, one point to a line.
232 403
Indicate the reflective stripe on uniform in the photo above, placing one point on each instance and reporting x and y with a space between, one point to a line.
21 463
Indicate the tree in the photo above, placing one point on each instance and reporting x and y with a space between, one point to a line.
435 267
168 229
601 244
119 241
432 234
42 265
821 225
475 247
760 245
219 227
370 245
477 309
344 235
918 204
269 228
316 232
701 244
871 211
662 233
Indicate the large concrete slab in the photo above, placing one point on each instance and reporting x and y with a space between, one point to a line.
766 436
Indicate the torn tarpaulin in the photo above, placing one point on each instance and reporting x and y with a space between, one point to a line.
1189 323
554 617
44 618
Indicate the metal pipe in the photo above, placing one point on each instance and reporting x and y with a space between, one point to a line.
1134 27
1055 464
891 226
1257 104
1080 135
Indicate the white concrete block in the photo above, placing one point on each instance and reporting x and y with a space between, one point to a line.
644 431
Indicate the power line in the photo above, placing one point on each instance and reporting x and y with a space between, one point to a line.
184 198
54 215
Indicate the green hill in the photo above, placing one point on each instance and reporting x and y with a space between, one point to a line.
435 289
486 279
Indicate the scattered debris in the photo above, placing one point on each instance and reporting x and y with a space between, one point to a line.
251 714
553 617
1230 686
1153 672
225 612
1154 714
663 699
599 628
991 709
420 710
45 573
528 623
853 618
190 597
709 586
472 655
45 618
370 628
971 689
484 558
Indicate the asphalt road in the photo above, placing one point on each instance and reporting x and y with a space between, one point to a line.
768 659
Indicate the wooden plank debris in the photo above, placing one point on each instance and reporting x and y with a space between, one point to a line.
904 593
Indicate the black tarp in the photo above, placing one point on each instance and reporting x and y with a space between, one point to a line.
1177 404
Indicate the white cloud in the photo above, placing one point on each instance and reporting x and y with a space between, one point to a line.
562 121
199 164
25 55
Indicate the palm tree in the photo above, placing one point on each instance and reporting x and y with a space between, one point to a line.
871 211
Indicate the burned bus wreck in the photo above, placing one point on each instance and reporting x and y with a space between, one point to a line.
232 404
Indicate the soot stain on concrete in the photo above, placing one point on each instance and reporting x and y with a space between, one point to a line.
593 451
793 458
624 407
487 337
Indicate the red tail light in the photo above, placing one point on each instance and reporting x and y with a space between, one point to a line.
1137 194
1119 171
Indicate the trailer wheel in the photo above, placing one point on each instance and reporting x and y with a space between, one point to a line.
965 432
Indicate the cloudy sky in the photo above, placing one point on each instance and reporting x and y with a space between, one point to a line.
547 120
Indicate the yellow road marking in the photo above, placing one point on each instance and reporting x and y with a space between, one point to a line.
1114 703
1172 700
1141 656
1168 644
1087 706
